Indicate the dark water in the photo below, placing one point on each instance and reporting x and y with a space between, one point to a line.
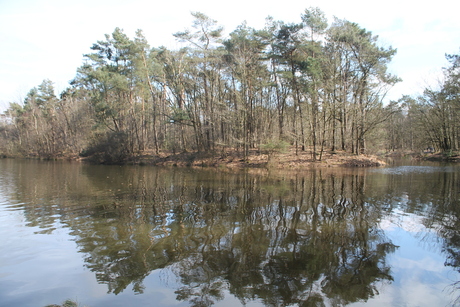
143 236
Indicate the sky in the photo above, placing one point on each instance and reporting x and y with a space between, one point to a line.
46 39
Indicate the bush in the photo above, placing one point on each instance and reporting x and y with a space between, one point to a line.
274 147
110 148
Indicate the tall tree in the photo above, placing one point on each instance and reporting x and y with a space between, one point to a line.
205 38
287 50
247 76
307 83
315 23
367 64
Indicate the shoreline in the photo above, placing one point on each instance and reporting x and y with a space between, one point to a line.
256 159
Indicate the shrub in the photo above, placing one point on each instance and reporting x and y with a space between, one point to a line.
109 148
274 147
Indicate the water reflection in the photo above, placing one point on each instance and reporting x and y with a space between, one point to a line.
433 194
306 239
244 238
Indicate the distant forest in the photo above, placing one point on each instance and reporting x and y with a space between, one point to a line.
311 85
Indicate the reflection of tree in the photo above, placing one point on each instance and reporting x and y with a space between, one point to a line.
281 249
433 194
304 240
444 216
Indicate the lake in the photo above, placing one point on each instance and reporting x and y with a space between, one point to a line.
150 236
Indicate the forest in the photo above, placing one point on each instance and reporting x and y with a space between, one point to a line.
312 86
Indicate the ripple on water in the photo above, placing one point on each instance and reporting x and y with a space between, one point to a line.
408 169
8 206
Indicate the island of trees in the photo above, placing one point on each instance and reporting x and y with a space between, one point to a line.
310 86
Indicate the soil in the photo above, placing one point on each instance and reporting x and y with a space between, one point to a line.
258 159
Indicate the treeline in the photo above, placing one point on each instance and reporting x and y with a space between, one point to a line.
431 120
312 85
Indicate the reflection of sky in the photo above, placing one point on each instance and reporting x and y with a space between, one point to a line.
417 266
414 169
67 280
25 259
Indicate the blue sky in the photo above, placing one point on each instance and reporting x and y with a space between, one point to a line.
46 39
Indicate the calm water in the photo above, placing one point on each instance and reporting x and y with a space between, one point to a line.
143 236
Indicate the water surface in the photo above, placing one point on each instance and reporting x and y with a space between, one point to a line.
145 236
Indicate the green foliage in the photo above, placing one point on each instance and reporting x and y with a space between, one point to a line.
66 303
317 85
179 116
315 19
278 146
206 31
274 147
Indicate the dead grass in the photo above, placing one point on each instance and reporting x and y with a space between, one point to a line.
257 159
